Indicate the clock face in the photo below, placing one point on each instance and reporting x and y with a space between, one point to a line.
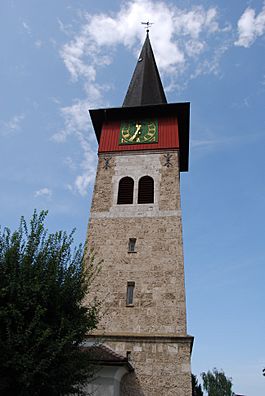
139 131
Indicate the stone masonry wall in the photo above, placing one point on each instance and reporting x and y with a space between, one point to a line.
169 198
163 369
102 195
157 265
156 268
159 308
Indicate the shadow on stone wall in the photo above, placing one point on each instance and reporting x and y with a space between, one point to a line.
130 386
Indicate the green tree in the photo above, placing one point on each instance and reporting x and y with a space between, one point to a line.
196 388
216 383
43 320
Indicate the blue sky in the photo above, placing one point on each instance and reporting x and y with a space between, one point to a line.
61 58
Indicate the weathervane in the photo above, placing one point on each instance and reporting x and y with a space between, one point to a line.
147 25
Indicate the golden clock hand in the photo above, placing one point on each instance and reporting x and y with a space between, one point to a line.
136 133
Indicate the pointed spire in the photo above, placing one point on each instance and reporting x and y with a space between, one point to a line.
145 87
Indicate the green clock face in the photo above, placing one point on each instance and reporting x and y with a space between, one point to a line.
139 131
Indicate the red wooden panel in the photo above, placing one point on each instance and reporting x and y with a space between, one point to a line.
168 137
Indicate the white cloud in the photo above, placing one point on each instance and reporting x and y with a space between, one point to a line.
209 141
75 119
88 166
250 26
76 122
38 43
194 48
26 27
70 163
193 23
173 27
72 54
66 29
177 35
180 39
12 125
211 65
43 192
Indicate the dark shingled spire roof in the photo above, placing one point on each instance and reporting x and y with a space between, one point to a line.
145 87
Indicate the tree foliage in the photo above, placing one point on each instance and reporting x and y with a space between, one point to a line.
196 388
216 383
43 320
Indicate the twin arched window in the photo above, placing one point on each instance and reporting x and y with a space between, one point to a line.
145 190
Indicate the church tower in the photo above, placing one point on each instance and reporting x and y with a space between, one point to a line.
135 228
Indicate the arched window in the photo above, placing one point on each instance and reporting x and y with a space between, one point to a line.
146 190
125 193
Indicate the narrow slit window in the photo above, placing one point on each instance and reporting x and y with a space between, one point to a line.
131 245
125 192
130 293
146 190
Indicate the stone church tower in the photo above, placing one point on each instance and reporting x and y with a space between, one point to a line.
135 228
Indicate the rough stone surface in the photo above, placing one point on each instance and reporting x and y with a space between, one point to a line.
102 196
156 268
159 370
169 186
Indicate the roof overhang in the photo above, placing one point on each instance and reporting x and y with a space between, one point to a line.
101 355
179 110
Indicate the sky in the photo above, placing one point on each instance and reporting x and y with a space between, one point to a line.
61 58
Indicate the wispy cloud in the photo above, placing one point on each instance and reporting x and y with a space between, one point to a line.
70 163
210 141
26 27
12 125
43 192
66 29
38 43
244 102
250 26
88 166
76 122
